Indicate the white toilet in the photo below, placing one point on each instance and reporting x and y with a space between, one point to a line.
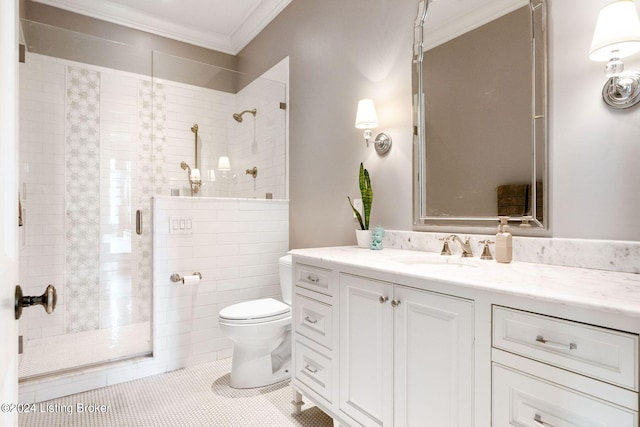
261 334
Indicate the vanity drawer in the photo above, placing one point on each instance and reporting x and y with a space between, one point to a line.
313 320
313 369
523 400
596 352
314 278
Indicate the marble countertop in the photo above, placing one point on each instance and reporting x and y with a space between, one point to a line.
589 288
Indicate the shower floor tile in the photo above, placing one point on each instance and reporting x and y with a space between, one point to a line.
70 351
196 396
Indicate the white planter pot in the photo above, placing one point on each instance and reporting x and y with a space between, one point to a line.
364 238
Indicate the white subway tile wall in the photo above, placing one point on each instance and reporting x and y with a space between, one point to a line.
42 174
258 141
212 111
235 245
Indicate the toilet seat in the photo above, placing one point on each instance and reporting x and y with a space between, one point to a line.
255 311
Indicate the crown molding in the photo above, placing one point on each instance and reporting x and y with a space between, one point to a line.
256 21
231 44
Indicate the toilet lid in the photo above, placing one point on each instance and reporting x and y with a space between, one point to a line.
255 309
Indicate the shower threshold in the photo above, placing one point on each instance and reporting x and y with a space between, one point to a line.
44 357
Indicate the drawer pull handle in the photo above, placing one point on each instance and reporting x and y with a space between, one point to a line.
538 420
383 299
310 320
570 346
310 369
313 279
395 303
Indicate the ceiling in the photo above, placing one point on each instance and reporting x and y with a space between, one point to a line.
223 25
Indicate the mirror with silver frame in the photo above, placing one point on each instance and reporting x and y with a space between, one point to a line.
480 115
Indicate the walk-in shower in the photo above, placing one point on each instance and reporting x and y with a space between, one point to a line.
238 116
112 137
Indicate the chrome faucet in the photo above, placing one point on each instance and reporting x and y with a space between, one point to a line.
464 246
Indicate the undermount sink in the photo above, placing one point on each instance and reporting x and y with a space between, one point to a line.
426 258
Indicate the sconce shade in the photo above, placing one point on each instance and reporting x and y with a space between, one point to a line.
617 33
366 117
224 164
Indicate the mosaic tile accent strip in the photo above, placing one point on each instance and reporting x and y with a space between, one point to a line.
82 199
158 160
151 180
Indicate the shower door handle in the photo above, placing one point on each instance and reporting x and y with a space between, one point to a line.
139 222
47 300
20 218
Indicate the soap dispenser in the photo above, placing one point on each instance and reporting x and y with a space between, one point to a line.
503 246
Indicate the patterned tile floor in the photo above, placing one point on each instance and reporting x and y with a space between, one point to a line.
196 396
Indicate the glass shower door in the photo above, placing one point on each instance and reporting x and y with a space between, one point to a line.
86 185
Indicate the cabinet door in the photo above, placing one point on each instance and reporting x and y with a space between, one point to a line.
366 350
433 359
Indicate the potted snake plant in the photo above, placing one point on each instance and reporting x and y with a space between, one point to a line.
363 235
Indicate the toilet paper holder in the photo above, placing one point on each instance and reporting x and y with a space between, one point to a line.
175 277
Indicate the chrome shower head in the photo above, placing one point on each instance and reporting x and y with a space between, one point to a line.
238 116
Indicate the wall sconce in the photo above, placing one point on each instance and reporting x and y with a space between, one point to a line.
617 35
367 119
223 164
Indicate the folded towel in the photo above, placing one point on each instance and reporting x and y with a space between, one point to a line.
515 200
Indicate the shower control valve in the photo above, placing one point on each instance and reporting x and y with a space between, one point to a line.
253 172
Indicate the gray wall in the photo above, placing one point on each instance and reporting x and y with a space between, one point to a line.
341 51
595 151
97 52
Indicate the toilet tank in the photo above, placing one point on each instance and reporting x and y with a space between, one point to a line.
284 265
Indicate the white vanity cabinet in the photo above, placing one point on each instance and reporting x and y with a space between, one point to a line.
406 355
403 339
556 372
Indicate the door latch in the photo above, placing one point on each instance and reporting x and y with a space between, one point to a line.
47 300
